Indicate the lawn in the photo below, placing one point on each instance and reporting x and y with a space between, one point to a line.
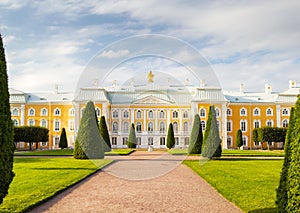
39 179
68 152
250 184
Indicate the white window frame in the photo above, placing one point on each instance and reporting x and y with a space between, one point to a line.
42 122
256 110
243 125
56 125
243 112
15 112
31 110
229 126
269 110
229 112
57 111
285 123
202 112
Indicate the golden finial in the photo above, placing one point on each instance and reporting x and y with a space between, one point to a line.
150 77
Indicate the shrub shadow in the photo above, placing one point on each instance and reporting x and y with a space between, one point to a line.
265 210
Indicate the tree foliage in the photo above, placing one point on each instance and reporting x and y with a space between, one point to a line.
213 138
104 133
63 141
196 137
271 134
207 128
131 143
170 137
255 135
31 134
239 138
6 130
89 143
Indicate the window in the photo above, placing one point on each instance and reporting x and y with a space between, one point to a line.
98 112
229 126
185 114
126 114
71 112
269 112
162 141
186 141
243 112
229 141
114 141
150 141
175 114
243 125
138 127
285 123
56 141
175 127
185 127
245 139
43 123
125 140
44 144
229 112
150 114
150 127
161 127
115 114
138 114
125 127
71 125
217 112
202 113
285 112
256 124
138 141
203 125
15 122
256 143
31 122
57 125
57 112
176 141
115 127
256 112
44 112
269 123
31 112
15 112
161 114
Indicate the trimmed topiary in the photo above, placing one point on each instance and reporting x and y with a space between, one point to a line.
239 138
104 133
63 141
132 138
196 137
170 137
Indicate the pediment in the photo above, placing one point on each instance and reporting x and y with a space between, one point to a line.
150 100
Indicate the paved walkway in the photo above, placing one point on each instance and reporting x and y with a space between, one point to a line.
141 182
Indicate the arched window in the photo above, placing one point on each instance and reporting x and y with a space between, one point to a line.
217 112
285 112
31 112
115 114
125 127
161 114
257 124
285 123
245 140
15 112
203 124
115 127
57 112
243 125
161 127
202 113
138 114
256 112
43 123
229 112
138 127
243 112
126 114
185 127
31 122
98 112
229 126
175 127
150 127
175 114
185 114
71 112
269 123
229 141
57 125
15 122
150 114
269 112
44 112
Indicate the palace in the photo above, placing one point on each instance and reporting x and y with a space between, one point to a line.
152 107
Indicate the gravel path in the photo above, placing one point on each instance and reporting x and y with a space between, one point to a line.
141 182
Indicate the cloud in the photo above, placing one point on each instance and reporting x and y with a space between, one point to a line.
114 54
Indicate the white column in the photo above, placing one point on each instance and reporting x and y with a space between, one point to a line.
278 115
145 120
156 125
131 116
76 116
22 115
120 120
224 126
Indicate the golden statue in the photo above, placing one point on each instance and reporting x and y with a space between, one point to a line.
150 77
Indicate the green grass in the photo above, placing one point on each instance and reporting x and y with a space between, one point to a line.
249 184
258 153
68 152
39 179
178 151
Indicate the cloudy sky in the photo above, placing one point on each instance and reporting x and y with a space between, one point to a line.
53 41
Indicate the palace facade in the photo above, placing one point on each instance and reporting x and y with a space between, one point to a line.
152 107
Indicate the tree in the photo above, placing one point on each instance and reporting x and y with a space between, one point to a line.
207 129
293 187
281 193
6 130
239 138
89 143
131 143
271 134
104 133
170 137
196 137
213 138
63 141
